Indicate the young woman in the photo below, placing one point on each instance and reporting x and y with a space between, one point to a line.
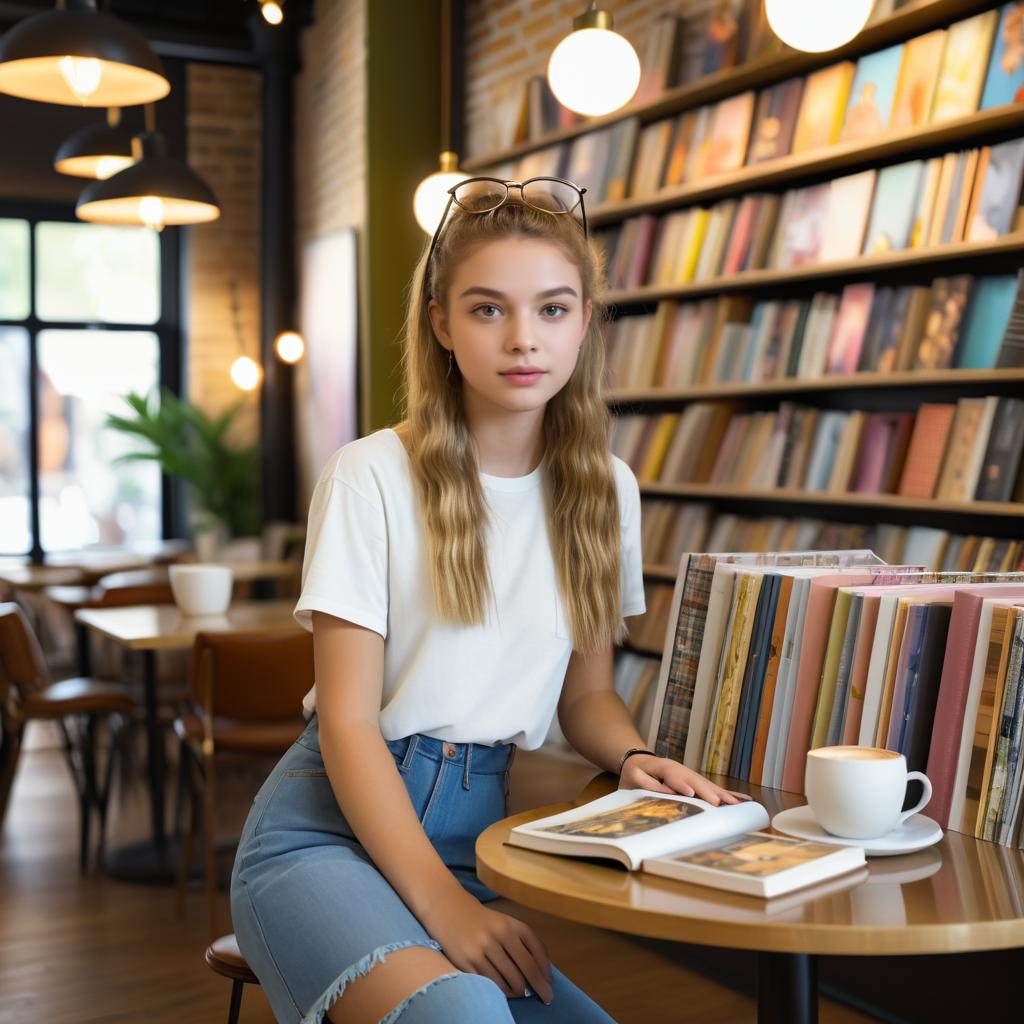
466 575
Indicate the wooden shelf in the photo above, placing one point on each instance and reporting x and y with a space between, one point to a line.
708 492
765 70
844 156
859 266
795 385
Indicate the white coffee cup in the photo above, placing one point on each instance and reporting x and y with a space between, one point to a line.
201 589
858 792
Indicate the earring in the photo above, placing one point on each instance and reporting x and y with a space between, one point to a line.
450 361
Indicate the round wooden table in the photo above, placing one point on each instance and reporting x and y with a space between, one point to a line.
961 895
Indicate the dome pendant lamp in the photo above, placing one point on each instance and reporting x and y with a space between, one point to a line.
431 194
156 190
594 70
813 26
97 150
77 56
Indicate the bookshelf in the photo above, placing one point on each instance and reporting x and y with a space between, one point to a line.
890 146
836 382
871 390
963 254
824 498
765 70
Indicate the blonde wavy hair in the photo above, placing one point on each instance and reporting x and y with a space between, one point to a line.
579 485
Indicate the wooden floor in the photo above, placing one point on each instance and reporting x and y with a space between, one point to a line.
78 950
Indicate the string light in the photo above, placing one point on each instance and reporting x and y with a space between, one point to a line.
289 346
272 12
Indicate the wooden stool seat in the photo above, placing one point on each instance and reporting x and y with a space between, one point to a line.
223 957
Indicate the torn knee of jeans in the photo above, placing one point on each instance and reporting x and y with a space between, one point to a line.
360 968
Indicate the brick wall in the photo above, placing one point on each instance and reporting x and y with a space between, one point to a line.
509 40
330 122
223 127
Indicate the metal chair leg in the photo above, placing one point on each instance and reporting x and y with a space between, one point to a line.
236 1001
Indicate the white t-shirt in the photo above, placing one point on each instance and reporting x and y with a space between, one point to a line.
365 561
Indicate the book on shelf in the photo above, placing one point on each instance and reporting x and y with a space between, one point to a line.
997 189
822 107
725 144
659 66
690 840
1004 82
771 135
964 60
915 86
871 94
1011 349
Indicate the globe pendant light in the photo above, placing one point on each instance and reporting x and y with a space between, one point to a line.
432 192
156 190
814 26
431 196
593 70
97 150
76 55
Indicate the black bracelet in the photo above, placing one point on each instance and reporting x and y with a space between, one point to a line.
631 752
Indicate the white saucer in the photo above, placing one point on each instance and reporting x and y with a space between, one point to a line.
915 833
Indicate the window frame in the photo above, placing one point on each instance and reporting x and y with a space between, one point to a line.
167 329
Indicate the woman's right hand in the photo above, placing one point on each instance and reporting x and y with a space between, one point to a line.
503 948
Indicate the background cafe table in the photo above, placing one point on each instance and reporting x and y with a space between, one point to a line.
955 897
152 628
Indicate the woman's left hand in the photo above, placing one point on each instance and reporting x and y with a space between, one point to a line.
663 775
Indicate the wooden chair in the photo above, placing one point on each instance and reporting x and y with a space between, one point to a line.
245 699
223 957
77 705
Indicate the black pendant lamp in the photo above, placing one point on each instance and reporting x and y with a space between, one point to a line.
97 150
78 56
156 190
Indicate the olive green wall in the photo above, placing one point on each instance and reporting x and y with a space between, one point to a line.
403 126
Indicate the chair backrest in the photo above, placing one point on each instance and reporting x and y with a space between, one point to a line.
139 586
21 658
256 676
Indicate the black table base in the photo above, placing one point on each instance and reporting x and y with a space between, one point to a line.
787 988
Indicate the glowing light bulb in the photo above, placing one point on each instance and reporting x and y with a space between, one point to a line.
594 71
289 346
151 212
271 11
246 373
108 165
82 75
431 198
813 26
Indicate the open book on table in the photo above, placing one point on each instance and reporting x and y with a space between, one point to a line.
689 839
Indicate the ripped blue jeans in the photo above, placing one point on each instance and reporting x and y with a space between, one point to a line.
311 912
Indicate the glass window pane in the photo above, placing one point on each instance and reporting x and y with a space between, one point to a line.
13 269
15 522
85 497
97 272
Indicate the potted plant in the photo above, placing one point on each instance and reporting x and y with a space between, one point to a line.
223 479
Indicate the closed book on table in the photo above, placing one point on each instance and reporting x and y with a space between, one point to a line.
923 689
948 725
927 448
764 714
